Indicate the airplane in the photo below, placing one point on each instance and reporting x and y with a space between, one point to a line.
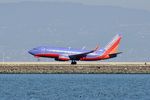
66 54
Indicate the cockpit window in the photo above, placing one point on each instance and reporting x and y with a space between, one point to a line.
40 49
34 48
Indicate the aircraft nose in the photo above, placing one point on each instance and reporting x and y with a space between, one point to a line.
31 52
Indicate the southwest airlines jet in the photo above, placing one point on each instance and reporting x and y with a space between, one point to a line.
66 54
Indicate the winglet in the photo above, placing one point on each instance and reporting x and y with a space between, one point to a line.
97 47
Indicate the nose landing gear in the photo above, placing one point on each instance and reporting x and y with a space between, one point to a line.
38 58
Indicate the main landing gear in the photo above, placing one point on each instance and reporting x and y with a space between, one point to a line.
73 62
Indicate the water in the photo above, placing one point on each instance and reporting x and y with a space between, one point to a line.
74 87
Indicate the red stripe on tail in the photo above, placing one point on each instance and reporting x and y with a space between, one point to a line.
112 47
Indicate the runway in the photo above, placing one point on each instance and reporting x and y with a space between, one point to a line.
78 63
80 68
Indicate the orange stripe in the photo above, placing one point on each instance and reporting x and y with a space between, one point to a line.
113 47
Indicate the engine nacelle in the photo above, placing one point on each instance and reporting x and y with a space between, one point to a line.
62 58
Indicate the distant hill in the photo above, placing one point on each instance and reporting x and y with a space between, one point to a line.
28 24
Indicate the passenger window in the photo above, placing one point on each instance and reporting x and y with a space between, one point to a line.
43 49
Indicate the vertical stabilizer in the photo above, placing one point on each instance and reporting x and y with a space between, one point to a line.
112 47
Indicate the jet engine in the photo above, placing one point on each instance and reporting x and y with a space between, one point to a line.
62 58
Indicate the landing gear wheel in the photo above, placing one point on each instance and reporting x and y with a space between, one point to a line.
73 63
38 60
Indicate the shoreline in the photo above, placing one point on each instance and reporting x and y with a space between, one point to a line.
80 68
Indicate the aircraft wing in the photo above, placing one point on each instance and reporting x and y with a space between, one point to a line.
81 55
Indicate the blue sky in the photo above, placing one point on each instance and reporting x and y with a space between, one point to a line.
137 4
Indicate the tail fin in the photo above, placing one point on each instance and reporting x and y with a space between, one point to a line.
112 47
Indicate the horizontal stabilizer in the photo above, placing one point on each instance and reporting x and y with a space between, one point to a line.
114 54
